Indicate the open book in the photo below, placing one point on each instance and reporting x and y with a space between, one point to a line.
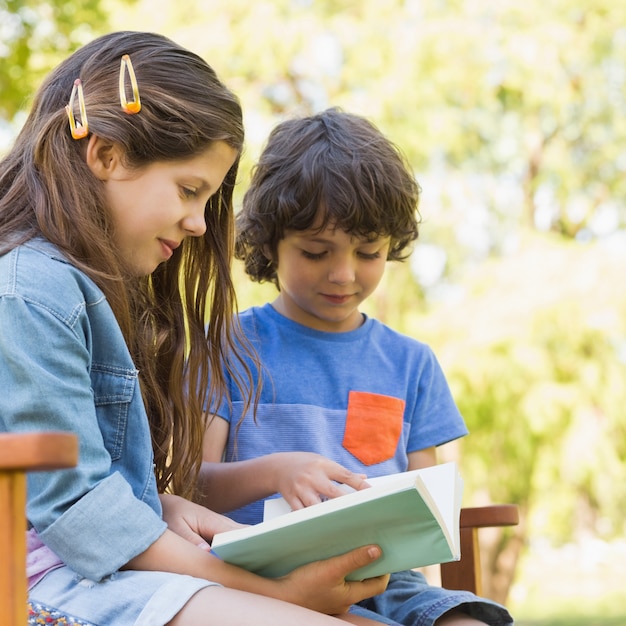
413 516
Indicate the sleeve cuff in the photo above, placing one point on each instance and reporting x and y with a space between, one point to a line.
104 530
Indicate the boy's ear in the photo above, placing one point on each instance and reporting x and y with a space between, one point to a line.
103 157
267 253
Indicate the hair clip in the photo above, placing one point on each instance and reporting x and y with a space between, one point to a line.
79 129
134 106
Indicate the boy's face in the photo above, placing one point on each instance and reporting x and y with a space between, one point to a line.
325 275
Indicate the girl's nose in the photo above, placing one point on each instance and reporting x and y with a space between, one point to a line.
194 224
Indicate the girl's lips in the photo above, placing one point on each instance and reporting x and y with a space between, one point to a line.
168 247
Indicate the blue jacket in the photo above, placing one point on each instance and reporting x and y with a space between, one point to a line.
64 365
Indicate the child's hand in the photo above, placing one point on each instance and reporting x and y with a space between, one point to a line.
306 478
322 586
193 522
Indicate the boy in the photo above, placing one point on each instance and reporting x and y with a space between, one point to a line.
342 396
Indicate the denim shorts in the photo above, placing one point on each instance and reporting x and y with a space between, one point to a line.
125 598
410 600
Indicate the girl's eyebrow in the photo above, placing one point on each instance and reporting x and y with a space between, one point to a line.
200 183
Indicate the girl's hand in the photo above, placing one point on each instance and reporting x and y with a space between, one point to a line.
193 522
322 586
305 478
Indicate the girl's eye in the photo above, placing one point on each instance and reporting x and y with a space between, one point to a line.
313 256
188 192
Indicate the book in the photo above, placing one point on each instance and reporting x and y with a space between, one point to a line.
413 516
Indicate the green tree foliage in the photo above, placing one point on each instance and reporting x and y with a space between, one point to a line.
36 35
529 95
532 93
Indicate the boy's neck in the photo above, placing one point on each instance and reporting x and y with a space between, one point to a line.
355 320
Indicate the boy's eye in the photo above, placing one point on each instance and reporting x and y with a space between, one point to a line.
314 256
369 256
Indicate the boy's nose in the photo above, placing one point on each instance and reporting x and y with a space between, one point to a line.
342 272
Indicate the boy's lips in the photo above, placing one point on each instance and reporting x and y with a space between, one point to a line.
337 298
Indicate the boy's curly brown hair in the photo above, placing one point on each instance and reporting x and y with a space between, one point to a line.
334 163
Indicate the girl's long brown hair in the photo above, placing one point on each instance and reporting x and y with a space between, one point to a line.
178 322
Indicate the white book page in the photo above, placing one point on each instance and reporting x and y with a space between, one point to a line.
433 481
447 504
273 507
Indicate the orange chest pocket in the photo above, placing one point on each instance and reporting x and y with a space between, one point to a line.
373 426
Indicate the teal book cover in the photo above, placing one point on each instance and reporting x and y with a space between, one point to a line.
413 516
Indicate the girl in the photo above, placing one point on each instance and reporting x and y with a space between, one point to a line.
116 229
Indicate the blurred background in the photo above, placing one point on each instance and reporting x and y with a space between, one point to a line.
513 115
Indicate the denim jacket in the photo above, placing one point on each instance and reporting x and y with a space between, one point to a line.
64 365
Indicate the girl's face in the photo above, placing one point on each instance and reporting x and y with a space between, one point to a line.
154 208
324 276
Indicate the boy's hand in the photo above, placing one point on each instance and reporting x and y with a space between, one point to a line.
306 478
321 586
193 522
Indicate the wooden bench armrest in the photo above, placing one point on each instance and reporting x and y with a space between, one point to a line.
488 516
466 573
21 453
36 451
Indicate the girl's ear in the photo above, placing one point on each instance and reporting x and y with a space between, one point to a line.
102 157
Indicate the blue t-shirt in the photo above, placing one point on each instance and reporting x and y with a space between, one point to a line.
363 398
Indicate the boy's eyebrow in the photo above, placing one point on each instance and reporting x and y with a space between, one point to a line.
316 238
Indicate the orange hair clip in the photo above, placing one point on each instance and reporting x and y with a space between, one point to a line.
133 106
80 128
